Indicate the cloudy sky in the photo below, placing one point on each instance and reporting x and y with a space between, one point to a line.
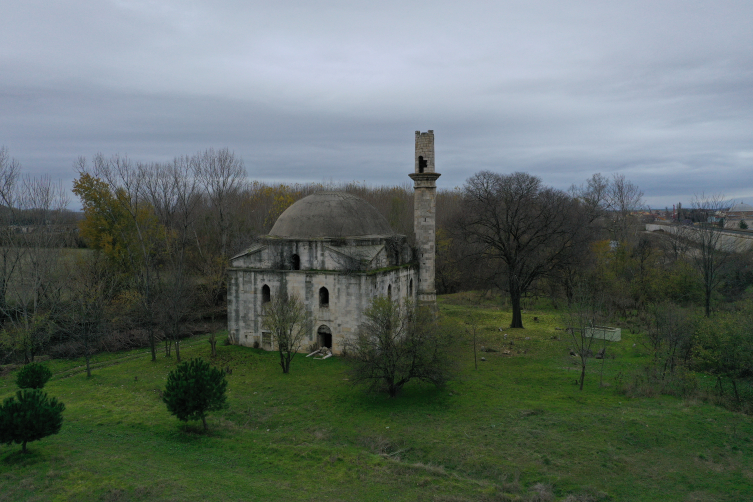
659 90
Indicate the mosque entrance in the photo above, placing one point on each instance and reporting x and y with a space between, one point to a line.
324 336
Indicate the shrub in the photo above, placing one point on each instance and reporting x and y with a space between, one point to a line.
193 389
29 416
33 376
397 344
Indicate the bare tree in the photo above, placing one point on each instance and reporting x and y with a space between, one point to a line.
472 326
622 198
173 190
676 242
397 344
222 176
583 315
670 335
93 286
289 323
713 252
10 251
522 229
34 296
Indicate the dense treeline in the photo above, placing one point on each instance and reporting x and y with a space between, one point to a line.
159 237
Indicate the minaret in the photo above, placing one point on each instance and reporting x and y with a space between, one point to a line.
424 214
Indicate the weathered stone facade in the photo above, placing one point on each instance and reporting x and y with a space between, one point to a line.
336 253
424 214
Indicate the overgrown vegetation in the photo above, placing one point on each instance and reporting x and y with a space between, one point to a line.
399 343
516 428
160 236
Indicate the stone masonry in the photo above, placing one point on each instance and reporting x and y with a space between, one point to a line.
424 214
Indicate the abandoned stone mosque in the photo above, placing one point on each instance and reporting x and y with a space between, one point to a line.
336 253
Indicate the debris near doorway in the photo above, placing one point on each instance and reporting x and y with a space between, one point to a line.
323 352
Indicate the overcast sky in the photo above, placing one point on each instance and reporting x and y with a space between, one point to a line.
661 91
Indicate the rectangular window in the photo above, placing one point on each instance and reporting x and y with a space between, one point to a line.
266 340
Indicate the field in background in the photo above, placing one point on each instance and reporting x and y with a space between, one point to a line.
515 429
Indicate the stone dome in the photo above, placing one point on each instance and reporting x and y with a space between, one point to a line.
330 214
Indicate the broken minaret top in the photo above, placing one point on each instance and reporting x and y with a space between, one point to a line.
424 152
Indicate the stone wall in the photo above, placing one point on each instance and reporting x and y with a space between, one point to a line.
352 254
349 296
729 240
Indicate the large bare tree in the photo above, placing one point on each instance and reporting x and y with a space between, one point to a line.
173 190
714 249
622 198
222 176
522 229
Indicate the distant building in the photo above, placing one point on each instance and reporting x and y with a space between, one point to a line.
737 213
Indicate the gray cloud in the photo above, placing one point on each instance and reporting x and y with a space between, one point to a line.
312 91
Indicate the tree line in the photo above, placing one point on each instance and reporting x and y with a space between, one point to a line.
159 236
156 239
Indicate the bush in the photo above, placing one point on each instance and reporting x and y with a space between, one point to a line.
33 376
397 344
193 389
29 416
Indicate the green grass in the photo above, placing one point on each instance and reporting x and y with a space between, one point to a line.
516 425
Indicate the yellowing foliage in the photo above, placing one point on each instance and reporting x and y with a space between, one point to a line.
128 235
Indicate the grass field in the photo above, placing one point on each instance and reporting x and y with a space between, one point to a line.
517 428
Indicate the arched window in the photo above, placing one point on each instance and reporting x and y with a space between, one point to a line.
323 298
266 295
389 291
410 289
295 262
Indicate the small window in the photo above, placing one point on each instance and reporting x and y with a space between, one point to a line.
323 298
295 262
389 291
266 296
410 289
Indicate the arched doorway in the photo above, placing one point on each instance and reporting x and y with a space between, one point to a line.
324 336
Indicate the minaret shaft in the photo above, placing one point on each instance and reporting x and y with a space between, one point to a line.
424 214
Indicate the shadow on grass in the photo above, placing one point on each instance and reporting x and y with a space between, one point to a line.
413 396
18 458
191 433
